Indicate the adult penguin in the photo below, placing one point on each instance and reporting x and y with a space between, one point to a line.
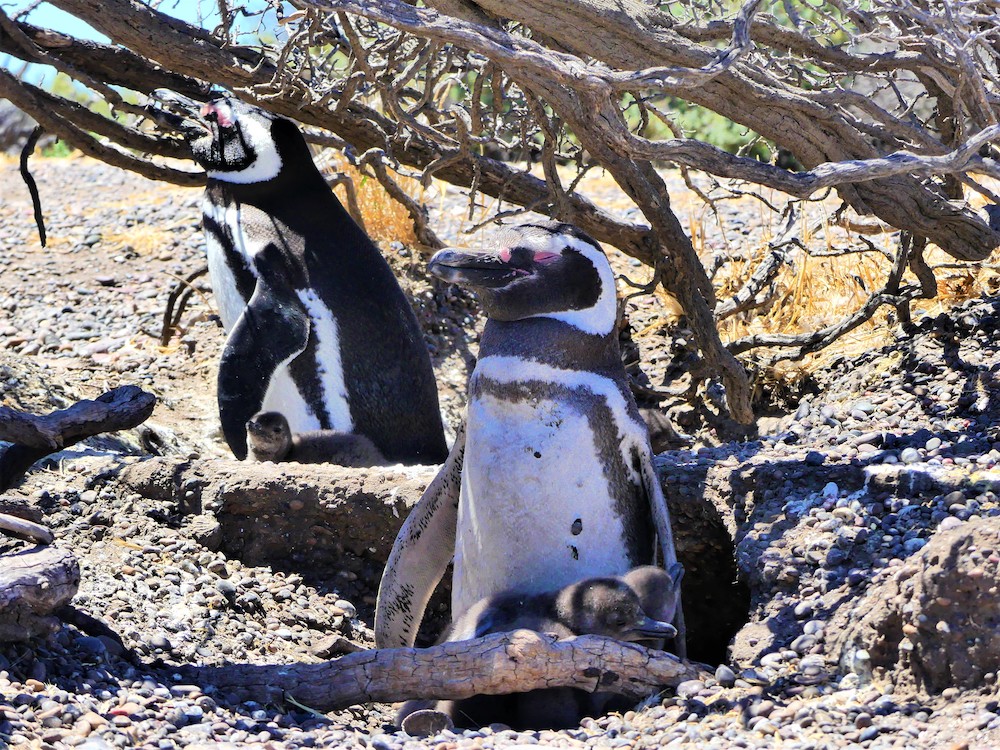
319 329
552 480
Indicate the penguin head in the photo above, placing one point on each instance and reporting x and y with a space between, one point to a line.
269 438
659 590
548 269
237 142
246 144
608 607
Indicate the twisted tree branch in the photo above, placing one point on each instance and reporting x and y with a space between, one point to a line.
498 663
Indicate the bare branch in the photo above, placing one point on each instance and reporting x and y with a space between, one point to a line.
806 343
35 437
36 201
765 273
697 154
59 119
495 664
895 115
683 78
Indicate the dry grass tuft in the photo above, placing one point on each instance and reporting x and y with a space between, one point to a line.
811 292
386 220
144 239
816 292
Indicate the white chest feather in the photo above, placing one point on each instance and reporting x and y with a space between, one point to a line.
330 368
536 509
247 226
227 295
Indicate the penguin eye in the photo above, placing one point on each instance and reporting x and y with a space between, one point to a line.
618 619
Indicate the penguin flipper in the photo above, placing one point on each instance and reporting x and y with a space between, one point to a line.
421 553
273 329
664 533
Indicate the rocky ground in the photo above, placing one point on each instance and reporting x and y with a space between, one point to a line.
859 529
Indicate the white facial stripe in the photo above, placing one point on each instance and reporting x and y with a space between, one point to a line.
330 368
265 167
598 319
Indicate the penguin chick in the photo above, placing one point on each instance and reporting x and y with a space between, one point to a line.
658 590
269 438
596 606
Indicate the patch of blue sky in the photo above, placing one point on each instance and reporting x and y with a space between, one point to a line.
259 18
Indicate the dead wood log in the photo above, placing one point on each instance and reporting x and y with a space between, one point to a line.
14 506
495 664
117 409
36 436
22 528
33 584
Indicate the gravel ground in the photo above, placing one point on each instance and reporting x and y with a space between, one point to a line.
84 315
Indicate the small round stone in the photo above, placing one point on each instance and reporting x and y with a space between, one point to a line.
725 676
427 722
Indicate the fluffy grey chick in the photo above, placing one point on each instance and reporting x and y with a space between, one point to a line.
269 438
610 607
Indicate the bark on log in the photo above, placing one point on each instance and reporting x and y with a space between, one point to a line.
33 584
118 409
25 529
15 506
495 664
36 436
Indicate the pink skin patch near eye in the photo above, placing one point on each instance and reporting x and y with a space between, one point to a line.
541 256
214 112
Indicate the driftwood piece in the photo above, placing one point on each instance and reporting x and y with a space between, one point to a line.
24 528
15 506
33 584
117 409
36 436
495 664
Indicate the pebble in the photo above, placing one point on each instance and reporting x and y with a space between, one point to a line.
803 610
689 688
725 676
160 641
869 734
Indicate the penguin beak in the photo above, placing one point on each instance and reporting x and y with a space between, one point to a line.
177 112
647 627
475 269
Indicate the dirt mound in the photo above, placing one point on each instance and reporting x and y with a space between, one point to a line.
934 623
